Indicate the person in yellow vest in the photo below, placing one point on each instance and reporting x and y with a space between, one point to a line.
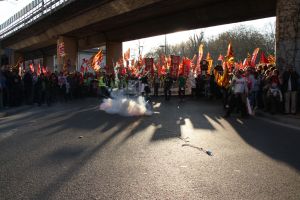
102 90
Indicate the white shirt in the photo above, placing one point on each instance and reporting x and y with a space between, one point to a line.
240 85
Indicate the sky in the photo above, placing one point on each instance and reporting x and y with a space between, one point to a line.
178 37
10 7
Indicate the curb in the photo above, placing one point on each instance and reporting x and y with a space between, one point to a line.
289 120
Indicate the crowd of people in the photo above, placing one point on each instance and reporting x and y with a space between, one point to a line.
242 90
32 88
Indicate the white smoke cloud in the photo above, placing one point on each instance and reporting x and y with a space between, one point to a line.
125 106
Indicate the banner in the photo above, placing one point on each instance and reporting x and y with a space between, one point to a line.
175 61
186 66
61 49
149 64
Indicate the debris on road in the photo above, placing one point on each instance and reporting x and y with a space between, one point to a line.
199 148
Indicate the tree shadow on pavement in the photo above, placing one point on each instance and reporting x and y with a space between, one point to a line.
278 142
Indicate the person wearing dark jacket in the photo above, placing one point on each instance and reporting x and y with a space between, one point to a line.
290 87
167 86
41 87
28 87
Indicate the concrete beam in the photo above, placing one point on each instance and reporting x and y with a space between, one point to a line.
131 19
198 17
106 11
92 41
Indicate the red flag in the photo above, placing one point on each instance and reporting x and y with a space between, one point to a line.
31 67
221 58
39 70
186 66
254 55
44 70
263 58
82 69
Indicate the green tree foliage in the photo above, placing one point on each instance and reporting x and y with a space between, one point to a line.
244 40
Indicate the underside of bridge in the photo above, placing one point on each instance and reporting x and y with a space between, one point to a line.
93 23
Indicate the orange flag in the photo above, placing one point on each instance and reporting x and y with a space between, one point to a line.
200 55
96 60
127 55
210 62
254 55
272 59
229 52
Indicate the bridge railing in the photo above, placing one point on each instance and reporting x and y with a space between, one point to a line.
31 13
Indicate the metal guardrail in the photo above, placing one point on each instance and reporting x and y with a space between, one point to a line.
31 13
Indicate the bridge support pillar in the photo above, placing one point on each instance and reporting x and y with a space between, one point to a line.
67 51
113 54
288 34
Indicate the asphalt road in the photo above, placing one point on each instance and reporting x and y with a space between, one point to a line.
74 151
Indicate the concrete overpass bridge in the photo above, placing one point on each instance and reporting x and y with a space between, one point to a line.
92 23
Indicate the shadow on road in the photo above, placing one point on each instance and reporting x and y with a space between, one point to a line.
277 142
167 120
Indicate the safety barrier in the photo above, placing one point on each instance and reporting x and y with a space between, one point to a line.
33 12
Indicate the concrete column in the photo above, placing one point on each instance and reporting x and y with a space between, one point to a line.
288 34
69 60
113 54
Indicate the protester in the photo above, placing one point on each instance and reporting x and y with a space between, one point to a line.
243 87
156 84
181 86
240 92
